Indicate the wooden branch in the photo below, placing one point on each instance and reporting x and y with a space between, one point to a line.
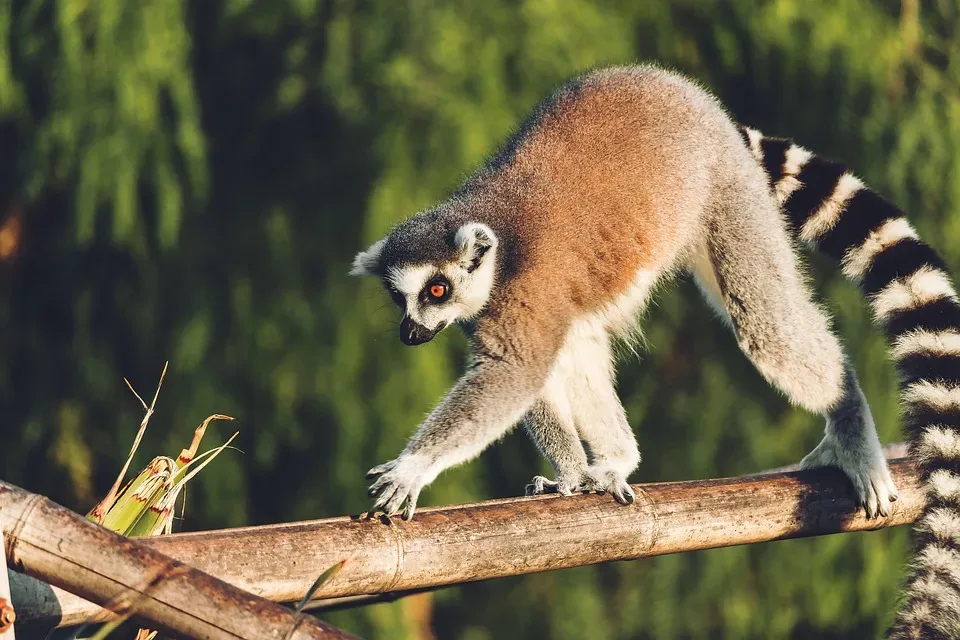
450 545
891 451
63 548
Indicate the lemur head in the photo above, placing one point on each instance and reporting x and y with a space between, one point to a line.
437 273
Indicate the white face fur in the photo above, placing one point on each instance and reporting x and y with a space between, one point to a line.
434 295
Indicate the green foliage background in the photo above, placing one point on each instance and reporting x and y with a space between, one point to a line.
192 178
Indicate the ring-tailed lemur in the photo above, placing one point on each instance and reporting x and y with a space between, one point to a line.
622 178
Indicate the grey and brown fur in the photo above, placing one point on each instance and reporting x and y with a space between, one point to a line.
620 180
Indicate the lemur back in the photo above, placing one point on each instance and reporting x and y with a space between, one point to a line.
603 185
620 180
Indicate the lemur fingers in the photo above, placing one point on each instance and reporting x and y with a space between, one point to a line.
411 504
617 486
400 482
610 481
383 468
541 485
603 482
883 488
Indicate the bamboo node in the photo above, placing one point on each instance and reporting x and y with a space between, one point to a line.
649 508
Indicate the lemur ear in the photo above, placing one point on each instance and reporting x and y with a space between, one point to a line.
367 262
475 241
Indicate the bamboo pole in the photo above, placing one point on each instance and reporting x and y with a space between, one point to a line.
450 545
63 548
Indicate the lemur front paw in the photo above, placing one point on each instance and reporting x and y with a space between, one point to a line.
399 481
866 468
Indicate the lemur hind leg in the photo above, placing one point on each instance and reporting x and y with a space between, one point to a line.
758 290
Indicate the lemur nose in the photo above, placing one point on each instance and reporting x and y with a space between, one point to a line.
413 333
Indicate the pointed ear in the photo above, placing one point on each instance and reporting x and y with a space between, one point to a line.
367 262
476 242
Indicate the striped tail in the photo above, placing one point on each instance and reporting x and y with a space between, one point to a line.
913 299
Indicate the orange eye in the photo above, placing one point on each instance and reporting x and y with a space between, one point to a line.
438 290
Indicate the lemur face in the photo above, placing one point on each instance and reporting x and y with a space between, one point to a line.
434 283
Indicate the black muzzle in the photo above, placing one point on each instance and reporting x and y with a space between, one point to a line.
412 333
